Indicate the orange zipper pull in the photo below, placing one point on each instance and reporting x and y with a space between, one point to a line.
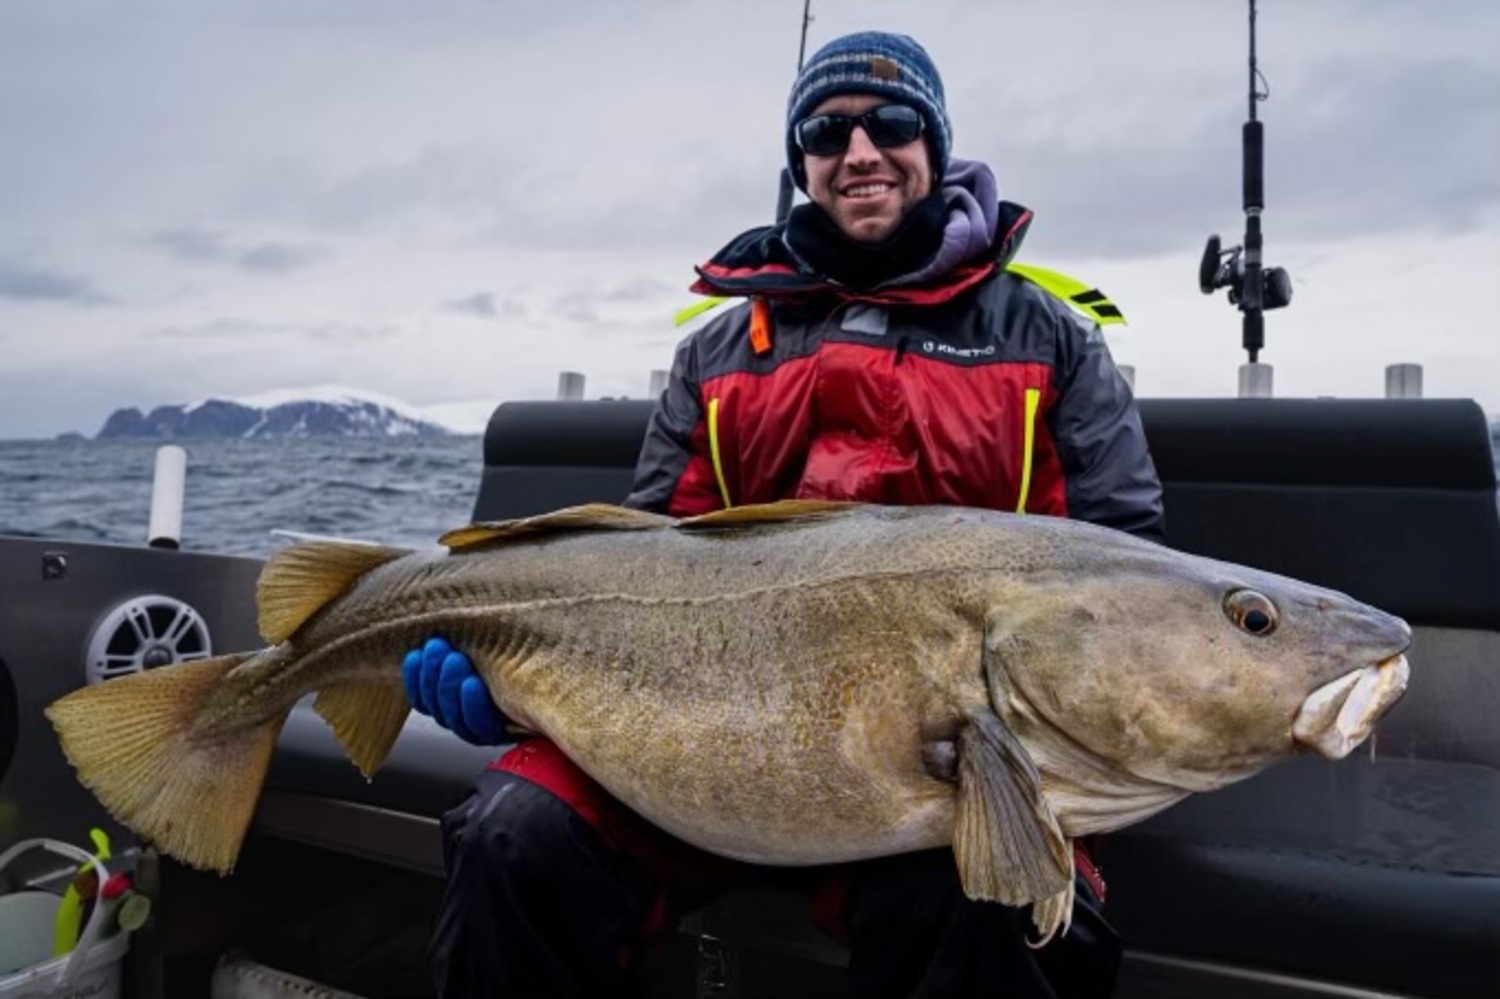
760 326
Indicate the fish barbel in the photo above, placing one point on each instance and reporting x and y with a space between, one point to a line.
798 683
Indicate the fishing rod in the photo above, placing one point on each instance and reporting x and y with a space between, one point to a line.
1252 286
784 198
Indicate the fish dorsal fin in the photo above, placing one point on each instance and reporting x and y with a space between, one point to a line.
299 581
768 513
1006 840
588 517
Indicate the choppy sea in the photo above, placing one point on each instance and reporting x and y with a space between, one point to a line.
402 491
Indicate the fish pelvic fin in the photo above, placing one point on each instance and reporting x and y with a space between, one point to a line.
768 513
587 517
133 742
300 580
366 718
1006 840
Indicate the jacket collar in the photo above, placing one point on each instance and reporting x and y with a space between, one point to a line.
759 262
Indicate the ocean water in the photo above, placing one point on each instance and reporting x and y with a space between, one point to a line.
402 491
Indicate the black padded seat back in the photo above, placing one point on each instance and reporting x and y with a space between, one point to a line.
541 456
1390 501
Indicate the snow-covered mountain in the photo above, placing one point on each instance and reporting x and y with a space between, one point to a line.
316 411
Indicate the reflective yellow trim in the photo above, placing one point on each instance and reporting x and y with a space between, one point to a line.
713 449
1033 402
1079 296
695 310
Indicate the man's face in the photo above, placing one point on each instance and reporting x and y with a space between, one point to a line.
867 190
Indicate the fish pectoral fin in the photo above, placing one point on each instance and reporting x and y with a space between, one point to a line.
767 513
366 718
136 744
300 580
1006 840
1053 915
587 517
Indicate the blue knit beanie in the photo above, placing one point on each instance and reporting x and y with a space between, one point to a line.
872 62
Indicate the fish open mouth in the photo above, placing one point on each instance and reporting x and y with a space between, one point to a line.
1342 713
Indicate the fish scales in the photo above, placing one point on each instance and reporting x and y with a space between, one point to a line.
656 721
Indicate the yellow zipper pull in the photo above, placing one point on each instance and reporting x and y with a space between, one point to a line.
713 450
1033 403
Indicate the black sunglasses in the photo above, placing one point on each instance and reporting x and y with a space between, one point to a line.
888 126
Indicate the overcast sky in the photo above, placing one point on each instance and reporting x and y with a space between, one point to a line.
445 200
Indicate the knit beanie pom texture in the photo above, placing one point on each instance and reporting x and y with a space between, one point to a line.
871 62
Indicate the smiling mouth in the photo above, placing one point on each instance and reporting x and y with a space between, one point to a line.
868 190
1342 713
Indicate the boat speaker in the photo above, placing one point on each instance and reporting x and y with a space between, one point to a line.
144 633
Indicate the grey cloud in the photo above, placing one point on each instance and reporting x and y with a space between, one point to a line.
278 258
26 283
220 329
692 214
616 307
1351 150
350 332
228 329
1362 172
212 247
481 305
191 244
449 181
487 306
575 308
511 201
642 289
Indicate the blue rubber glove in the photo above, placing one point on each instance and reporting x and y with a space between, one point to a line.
441 682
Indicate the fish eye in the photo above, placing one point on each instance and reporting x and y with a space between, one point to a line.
1251 612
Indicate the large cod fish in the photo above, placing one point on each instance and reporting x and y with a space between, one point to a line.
799 683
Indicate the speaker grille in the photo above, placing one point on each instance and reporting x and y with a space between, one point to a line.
143 633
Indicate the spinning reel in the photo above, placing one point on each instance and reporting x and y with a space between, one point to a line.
1222 268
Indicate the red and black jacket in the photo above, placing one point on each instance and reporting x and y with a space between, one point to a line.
976 389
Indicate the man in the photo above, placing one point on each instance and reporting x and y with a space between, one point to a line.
884 355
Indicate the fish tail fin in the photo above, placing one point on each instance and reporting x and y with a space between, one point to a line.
134 744
366 717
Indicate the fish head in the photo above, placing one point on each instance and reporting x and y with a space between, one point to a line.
1192 672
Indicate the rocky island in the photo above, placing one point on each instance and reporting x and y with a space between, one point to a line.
325 413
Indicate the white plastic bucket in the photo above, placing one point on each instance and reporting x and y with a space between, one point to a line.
92 969
26 928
